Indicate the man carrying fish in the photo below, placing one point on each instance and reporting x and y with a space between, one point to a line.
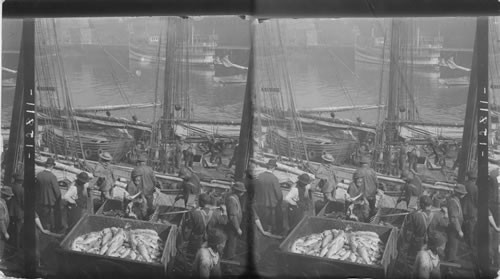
200 220
370 182
48 196
327 181
235 215
299 200
138 204
207 261
76 198
105 175
268 198
148 181
358 205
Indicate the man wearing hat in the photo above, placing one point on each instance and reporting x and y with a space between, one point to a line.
470 209
268 198
76 198
48 196
327 181
16 207
412 188
207 260
356 202
235 216
6 194
148 180
105 175
135 187
370 182
299 200
456 217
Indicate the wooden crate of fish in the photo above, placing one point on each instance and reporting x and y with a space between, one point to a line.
326 247
392 217
333 209
99 245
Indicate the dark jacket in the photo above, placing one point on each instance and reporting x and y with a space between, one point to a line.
234 211
148 179
48 192
16 208
267 190
470 200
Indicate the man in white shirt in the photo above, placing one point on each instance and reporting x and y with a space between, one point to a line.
76 198
299 200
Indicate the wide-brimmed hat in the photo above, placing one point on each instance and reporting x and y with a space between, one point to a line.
106 156
18 176
328 157
83 176
460 188
6 191
364 160
142 158
304 179
50 162
472 174
272 163
239 186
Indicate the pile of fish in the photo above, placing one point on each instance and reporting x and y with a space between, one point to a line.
363 247
140 244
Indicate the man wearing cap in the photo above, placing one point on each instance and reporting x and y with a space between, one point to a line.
416 226
76 198
207 260
139 204
48 195
470 209
370 182
235 216
454 230
148 180
6 194
412 188
268 197
299 200
105 175
16 207
327 181
200 220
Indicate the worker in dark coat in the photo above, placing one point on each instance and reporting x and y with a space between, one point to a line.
455 214
235 216
76 198
370 182
268 198
148 180
6 194
357 204
412 188
299 200
470 209
416 226
48 195
105 176
190 185
16 208
200 220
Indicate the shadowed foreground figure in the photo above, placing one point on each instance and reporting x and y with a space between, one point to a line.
207 261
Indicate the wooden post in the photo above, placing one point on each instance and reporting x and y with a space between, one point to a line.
482 48
245 149
28 46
